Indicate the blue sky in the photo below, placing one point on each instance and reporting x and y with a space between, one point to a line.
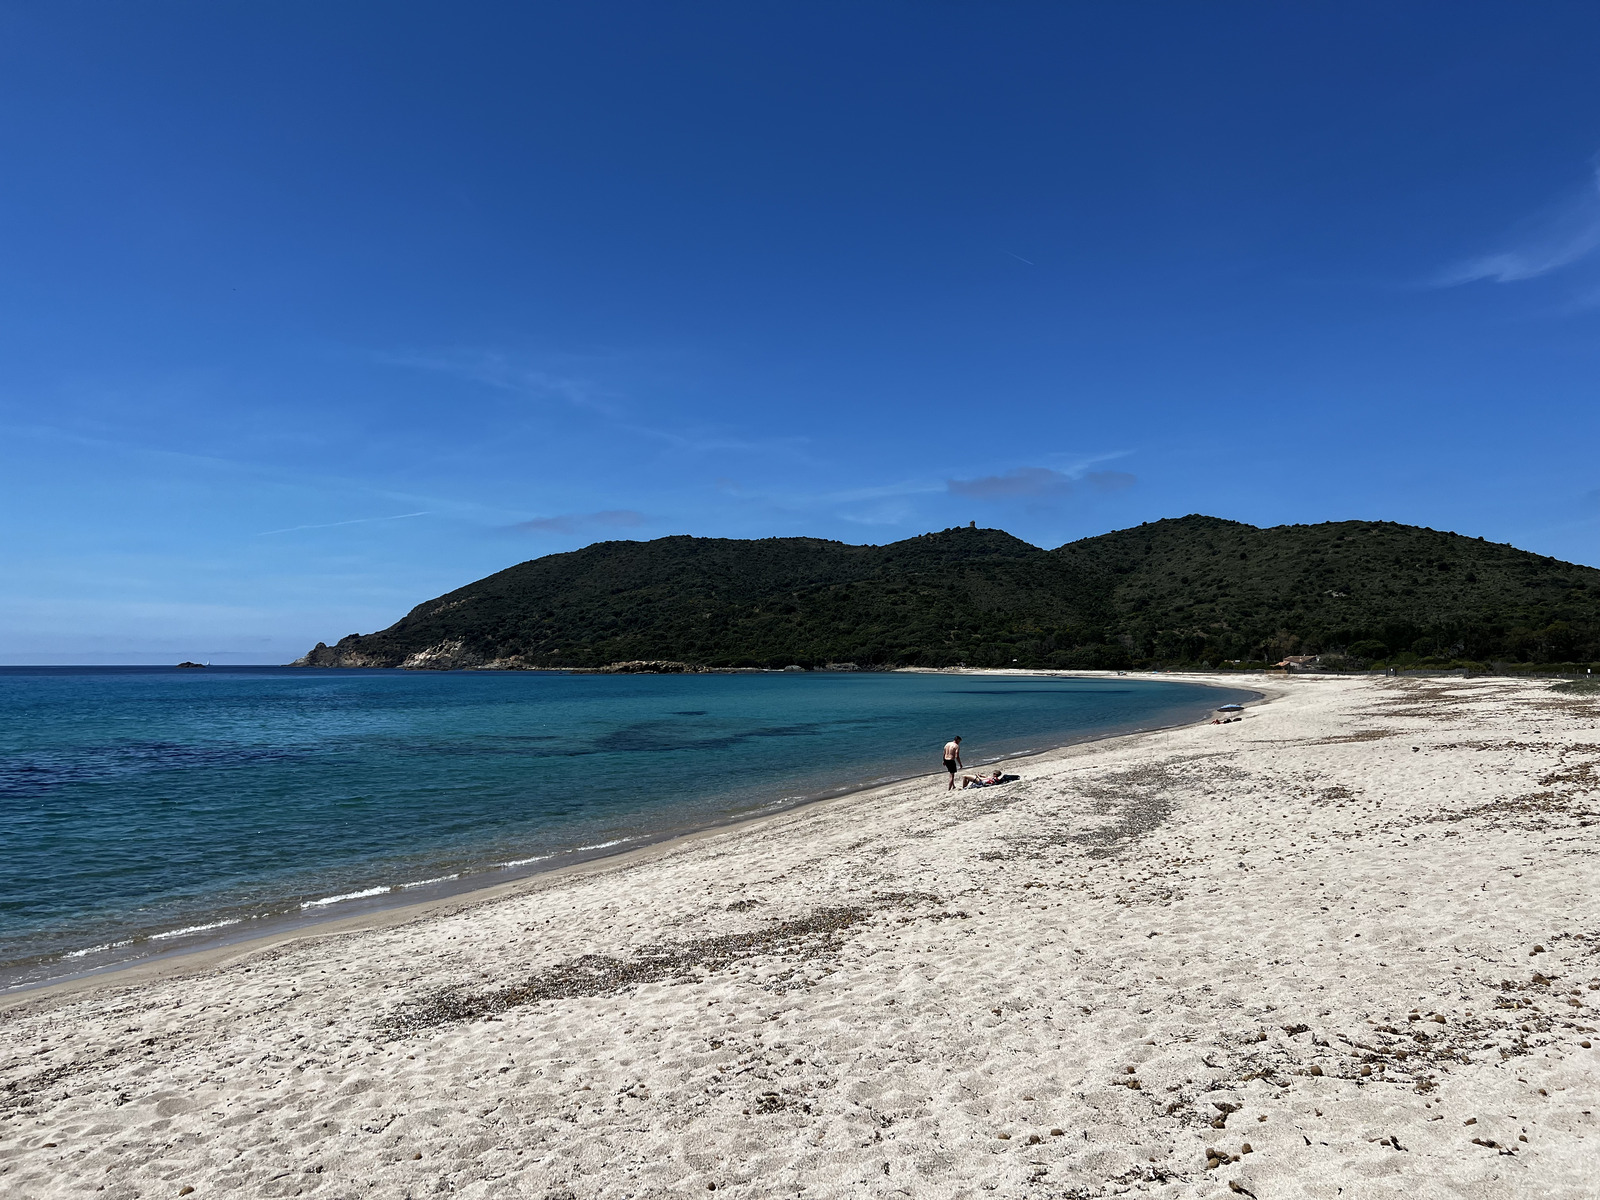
309 312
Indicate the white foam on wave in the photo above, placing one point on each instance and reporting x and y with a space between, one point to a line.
326 900
97 949
523 862
599 845
775 805
520 862
188 929
426 882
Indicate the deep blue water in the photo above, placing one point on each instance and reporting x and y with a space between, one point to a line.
139 803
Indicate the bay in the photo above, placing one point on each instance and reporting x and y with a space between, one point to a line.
149 809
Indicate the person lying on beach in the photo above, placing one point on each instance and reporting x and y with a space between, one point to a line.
988 780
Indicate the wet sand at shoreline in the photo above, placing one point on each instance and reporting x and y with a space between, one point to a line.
1335 932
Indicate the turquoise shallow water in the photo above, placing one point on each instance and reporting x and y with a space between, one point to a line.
145 809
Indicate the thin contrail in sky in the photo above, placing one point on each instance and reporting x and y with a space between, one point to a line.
332 524
1018 257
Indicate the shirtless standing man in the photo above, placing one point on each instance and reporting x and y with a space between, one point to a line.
952 760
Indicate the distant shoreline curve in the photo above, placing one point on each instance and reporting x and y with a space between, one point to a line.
476 890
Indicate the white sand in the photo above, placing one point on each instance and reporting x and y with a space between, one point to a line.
1048 989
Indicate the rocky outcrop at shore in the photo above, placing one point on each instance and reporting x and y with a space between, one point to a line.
446 656
346 652
350 652
454 655
644 667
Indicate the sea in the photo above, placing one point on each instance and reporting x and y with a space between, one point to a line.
146 811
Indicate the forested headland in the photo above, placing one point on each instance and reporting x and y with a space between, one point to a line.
1188 592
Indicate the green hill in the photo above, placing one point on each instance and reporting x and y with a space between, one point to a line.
1189 591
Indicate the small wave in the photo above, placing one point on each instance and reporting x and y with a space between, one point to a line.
520 862
97 949
372 891
600 845
771 806
523 862
426 882
188 929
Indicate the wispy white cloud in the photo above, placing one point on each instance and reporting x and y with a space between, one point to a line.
1019 483
908 487
1038 483
884 512
897 503
336 524
296 477
714 442
504 373
579 522
880 504
1555 237
1110 481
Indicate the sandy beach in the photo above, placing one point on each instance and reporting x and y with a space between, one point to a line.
1346 946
